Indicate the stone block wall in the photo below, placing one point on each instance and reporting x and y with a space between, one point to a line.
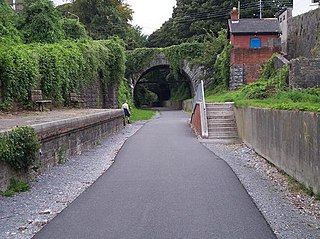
62 139
304 34
237 76
288 139
92 94
304 73
96 95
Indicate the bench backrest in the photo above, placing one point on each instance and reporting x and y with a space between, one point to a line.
74 97
36 95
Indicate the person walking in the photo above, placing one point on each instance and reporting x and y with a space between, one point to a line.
126 112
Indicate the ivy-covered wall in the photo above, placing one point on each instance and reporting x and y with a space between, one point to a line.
59 69
211 59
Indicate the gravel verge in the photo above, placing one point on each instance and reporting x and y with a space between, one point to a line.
290 213
23 215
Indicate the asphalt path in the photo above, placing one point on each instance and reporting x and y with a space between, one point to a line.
163 184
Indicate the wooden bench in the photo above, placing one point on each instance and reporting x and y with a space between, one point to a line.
38 101
76 100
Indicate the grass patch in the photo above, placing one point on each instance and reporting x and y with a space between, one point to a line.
285 100
15 186
270 93
296 186
141 114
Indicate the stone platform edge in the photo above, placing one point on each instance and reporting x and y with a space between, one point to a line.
63 139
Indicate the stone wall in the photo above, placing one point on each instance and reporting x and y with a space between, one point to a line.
64 138
304 73
237 76
96 95
187 105
280 61
92 94
288 139
304 34
176 105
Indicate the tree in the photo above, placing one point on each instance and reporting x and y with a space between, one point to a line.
196 20
103 18
73 29
8 31
41 22
135 38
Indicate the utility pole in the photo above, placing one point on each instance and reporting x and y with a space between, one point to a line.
239 8
260 6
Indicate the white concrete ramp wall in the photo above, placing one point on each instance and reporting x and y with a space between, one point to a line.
288 139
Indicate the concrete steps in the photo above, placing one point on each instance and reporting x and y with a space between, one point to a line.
222 126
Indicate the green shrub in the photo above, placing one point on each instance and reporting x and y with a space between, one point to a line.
19 148
15 186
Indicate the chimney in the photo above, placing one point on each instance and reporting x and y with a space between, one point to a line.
234 14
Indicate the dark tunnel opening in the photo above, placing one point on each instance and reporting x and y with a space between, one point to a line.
158 85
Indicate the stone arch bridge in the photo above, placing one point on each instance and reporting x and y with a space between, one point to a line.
193 73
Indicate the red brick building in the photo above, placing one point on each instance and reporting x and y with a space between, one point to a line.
253 43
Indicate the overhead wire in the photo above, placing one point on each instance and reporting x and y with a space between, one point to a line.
242 6
224 12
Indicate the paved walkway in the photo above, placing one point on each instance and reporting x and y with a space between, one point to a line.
164 184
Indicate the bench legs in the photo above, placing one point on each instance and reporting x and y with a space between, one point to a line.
39 106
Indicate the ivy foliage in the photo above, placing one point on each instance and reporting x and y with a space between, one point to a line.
213 55
139 58
19 148
40 22
58 69
8 33
271 81
124 93
73 29
181 92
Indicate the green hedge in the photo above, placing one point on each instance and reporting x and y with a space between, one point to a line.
19 147
58 69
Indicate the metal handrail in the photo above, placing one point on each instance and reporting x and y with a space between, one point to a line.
199 99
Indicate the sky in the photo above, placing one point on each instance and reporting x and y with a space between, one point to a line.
151 14
148 14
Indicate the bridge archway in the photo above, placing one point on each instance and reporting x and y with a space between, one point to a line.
157 85
192 74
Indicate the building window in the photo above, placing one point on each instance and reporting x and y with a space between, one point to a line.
255 43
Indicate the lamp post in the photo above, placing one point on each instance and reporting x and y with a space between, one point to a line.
74 16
